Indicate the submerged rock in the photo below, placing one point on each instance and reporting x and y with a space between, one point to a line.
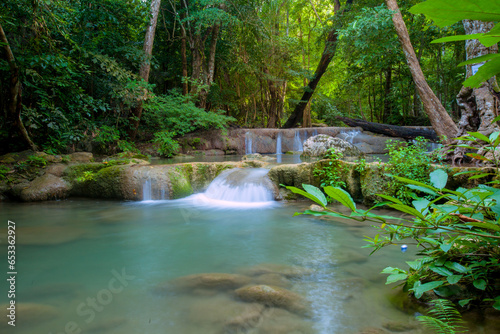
46 235
249 318
273 296
210 281
280 321
29 314
319 145
280 269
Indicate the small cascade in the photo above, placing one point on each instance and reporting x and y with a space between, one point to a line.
278 143
150 193
248 143
297 142
242 187
348 136
315 132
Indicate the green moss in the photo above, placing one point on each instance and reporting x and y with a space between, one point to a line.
77 171
179 184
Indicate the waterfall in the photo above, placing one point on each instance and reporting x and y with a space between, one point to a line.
239 187
248 143
315 132
297 142
348 136
146 191
152 193
278 143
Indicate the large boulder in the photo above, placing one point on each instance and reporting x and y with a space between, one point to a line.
43 188
319 145
274 297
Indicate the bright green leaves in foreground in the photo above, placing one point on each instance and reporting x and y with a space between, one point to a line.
447 12
456 232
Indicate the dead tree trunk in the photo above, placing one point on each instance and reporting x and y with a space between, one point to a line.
145 67
14 104
391 130
440 120
326 58
478 106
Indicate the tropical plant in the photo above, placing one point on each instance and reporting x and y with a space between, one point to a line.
330 174
167 146
443 318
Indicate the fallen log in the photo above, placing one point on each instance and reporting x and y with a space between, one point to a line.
391 130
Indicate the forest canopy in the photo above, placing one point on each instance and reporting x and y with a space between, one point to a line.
79 67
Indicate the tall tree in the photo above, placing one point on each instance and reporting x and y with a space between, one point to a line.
14 105
327 56
145 66
440 120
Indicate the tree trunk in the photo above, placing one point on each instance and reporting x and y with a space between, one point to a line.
145 66
391 130
477 106
440 120
14 104
185 84
207 74
327 56
387 93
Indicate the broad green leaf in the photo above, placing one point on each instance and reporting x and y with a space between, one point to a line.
316 192
457 267
419 290
395 277
392 270
479 136
458 38
479 176
390 198
445 247
453 279
447 12
441 271
342 196
489 226
480 284
421 205
417 183
439 178
479 60
422 189
305 194
464 302
415 265
407 209
477 156
484 73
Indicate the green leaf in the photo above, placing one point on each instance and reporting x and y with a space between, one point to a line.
420 289
395 278
486 225
456 266
439 178
421 205
458 38
479 136
305 194
483 74
479 59
479 176
417 183
447 12
453 279
464 302
342 196
441 271
316 192
480 284
445 247
390 198
422 189
407 209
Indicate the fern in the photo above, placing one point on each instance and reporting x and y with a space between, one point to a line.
443 318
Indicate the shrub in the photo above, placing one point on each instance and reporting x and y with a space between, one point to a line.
330 175
167 146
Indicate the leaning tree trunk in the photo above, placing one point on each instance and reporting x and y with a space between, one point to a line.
14 104
327 56
145 67
440 120
477 105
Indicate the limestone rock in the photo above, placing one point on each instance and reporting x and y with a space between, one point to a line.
45 187
210 281
56 169
249 318
319 145
280 269
81 157
46 235
273 296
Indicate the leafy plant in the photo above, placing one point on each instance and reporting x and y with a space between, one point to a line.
86 176
167 146
36 161
330 174
443 318
410 161
445 13
4 170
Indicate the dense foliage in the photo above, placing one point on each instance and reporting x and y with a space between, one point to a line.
79 66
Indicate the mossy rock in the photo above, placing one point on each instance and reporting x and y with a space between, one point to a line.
294 175
179 183
373 182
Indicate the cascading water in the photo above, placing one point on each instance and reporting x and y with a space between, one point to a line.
297 142
239 187
349 136
152 193
248 143
278 147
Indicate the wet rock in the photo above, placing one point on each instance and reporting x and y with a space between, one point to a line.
280 321
374 181
249 318
273 279
373 330
56 169
281 269
29 314
397 326
273 296
207 281
315 207
319 145
294 175
81 157
220 310
45 187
